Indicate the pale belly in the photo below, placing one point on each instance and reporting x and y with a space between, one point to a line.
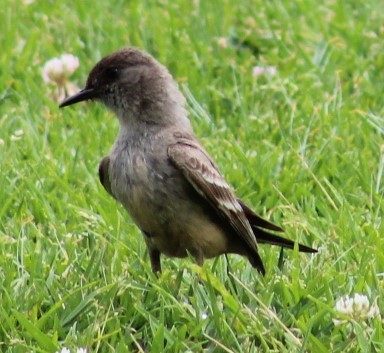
177 227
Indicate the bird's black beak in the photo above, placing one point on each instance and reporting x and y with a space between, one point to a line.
83 95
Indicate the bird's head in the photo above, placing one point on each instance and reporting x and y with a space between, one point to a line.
129 82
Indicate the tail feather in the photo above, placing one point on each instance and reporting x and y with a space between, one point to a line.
265 237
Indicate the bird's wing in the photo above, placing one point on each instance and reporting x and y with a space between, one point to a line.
104 175
201 172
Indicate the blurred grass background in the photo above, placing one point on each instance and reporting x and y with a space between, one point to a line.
304 147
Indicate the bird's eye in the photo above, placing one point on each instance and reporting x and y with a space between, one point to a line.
112 73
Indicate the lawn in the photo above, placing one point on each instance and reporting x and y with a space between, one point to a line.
287 97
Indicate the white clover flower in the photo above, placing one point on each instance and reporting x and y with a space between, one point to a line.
81 350
266 71
57 70
356 308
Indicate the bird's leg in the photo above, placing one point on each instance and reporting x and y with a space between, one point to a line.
199 256
154 256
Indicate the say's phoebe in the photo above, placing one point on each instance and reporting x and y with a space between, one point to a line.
162 175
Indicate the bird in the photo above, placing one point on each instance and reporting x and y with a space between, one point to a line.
159 171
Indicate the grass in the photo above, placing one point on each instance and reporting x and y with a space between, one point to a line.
303 147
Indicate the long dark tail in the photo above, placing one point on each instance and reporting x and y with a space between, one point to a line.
265 237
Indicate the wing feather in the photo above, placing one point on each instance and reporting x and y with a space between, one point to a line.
202 173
